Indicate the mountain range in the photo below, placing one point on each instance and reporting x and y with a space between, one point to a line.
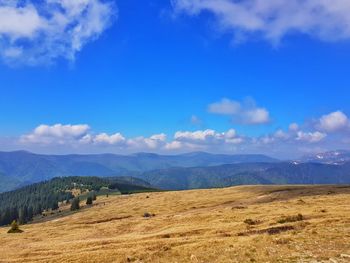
331 157
177 172
21 168
281 173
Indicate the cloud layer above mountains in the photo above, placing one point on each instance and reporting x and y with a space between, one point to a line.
81 138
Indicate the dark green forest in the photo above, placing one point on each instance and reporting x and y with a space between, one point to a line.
25 203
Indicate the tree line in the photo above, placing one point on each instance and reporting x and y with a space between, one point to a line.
25 203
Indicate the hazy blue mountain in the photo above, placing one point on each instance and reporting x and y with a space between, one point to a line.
248 174
21 168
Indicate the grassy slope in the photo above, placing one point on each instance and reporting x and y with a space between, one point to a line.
193 226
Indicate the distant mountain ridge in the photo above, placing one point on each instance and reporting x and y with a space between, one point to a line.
22 168
282 173
176 172
330 157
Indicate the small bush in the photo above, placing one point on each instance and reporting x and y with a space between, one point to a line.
14 228
291 219
239 207
251 222
147 215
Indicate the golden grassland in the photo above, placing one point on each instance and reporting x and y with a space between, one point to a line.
195 226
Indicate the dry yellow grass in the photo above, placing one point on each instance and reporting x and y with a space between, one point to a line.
195 226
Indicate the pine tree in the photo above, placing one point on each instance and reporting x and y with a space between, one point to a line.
7 216
14 213
54 205
14 228
89 200
37 209
75 204
30 213
22 217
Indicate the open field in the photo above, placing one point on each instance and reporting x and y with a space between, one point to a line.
195 226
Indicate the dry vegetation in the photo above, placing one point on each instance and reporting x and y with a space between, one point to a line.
239 224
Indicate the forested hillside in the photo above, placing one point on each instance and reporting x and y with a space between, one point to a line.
23 204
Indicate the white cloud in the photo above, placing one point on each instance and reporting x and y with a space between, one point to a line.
274 19
80 135
174 145
334 121
33 32
208 137
80 138
225 107
58 133
197 136
256 116
153 142
245 113
19 22
114 139
311 137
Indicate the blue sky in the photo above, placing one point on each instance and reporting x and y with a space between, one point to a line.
157 67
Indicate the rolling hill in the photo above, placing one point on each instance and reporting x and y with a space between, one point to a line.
22 168
238 224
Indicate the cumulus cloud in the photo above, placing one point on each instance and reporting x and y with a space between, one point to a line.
311 137
154 142
274 19
81 135
208 137
104 138
286 142
34 32
334 121
58 133
244 113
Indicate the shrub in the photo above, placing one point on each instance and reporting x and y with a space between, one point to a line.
146 214
291 219
14 228
251 222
